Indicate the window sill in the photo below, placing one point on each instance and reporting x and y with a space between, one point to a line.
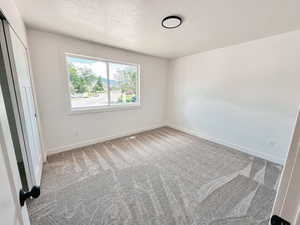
86 110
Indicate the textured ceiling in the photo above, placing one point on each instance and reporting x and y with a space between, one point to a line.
136 24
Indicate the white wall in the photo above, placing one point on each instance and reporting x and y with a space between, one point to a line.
245 96
63 131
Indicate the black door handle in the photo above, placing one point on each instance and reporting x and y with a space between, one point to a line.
34 193
276 220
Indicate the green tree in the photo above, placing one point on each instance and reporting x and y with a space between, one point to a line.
83 79
78 84
99 85
89 78
127 79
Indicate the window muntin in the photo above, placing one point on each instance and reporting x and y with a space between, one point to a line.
100 84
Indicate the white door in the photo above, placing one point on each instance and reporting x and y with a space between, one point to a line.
10 211
287 202
26 105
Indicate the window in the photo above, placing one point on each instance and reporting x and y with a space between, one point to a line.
101 84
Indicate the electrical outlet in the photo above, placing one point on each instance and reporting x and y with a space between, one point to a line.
272 143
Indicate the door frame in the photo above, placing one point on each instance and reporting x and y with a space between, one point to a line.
16 99
6 144
8 82
286 201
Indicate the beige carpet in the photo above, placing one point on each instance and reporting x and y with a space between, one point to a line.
159 177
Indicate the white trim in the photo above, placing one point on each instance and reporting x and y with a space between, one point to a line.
280 202
252 152
108 85
55 150
40 129
101 59
39 173
84 110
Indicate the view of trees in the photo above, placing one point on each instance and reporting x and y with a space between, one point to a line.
84 80
127 83
86 83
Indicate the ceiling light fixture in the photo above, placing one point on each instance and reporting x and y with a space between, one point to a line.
171 22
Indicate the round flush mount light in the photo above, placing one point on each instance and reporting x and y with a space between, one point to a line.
171 22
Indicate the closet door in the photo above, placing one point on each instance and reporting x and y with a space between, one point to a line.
26 104
11 211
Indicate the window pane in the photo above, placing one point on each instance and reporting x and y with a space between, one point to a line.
88 82
123 83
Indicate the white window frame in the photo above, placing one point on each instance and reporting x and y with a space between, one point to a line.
109 107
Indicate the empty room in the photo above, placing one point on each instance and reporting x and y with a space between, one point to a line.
149 112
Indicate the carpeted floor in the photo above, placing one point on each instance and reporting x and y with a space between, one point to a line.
158 177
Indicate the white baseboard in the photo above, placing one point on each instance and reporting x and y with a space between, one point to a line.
64 148
269 157
252 152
